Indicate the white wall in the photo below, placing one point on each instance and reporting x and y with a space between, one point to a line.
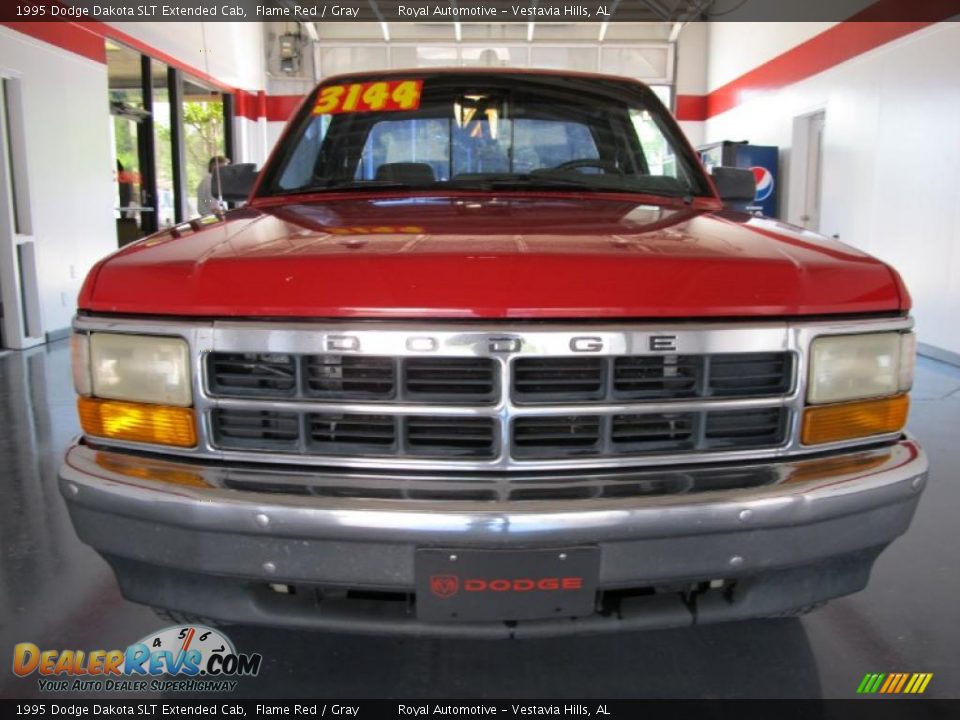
231 52
71 191
67 129
691 73
735 48
891 172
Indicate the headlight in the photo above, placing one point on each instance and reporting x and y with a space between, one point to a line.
853 367
857 386
80 362
140 368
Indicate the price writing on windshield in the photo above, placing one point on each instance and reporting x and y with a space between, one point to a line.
377 96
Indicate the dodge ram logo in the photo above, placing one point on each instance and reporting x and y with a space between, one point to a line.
444 586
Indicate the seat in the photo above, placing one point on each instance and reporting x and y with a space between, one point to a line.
408 173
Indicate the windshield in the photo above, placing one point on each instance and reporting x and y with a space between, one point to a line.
469 131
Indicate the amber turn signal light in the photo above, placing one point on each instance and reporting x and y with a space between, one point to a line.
137 422
849 420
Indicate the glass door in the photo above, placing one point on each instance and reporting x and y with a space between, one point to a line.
203 138
129 123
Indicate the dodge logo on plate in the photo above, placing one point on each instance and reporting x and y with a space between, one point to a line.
444 586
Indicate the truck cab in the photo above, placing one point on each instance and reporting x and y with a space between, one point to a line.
485 353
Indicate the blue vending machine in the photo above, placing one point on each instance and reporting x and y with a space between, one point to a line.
763 160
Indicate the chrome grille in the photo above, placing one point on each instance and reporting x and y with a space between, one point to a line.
337 394
544 435
559 379
651 377
748 374
355 434
256 429
353 377
674 376
647 433
744 428
445 379
335 433
451 436
347 377
253 375
542 408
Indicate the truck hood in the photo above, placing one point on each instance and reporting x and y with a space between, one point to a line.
469 256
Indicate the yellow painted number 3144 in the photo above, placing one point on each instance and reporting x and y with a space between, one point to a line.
369 97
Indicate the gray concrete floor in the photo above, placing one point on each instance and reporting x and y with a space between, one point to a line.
58 593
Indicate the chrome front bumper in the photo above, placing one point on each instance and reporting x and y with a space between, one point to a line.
189 543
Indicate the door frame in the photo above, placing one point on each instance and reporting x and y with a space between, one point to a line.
800 169
21 326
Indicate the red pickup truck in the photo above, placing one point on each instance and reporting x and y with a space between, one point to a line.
485 353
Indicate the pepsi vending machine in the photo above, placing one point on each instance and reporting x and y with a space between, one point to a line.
761 159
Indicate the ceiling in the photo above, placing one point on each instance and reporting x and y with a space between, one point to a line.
338 33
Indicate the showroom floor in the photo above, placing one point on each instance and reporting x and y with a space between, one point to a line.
59 594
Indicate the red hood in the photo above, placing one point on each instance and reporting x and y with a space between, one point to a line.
477 257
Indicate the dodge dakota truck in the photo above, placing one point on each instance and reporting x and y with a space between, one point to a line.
488 353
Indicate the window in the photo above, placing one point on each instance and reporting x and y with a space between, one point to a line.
543 144
300 168
203 136
424 141
657 150
474 131
482 146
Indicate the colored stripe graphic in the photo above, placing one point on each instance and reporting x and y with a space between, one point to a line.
894 683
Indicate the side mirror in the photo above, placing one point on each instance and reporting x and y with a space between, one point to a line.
236 181
735 185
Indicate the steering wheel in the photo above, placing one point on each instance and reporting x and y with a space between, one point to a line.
605 165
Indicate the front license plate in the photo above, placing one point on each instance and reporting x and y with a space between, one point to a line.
477 585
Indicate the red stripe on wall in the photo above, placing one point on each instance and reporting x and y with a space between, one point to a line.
65 35
691 107
245 104
275 108
838 44
86 39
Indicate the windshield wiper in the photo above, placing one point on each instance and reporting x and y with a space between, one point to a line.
506 182
494 182
357 185
589 183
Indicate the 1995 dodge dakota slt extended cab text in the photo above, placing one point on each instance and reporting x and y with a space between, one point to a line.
485 354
